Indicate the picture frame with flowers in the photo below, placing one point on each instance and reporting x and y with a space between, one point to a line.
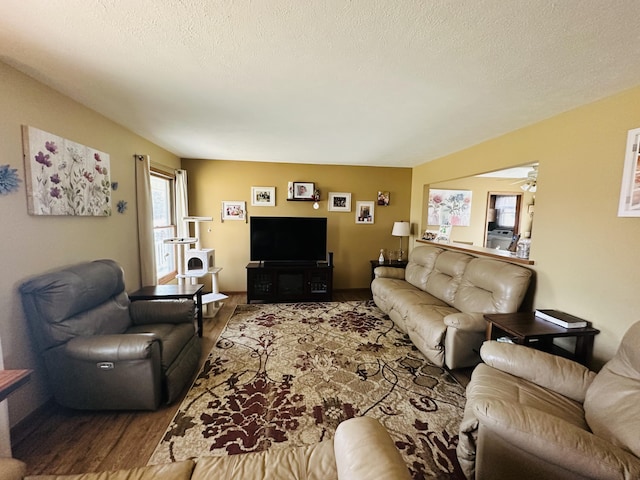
63 177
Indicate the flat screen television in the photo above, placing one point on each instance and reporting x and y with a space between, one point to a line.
288 239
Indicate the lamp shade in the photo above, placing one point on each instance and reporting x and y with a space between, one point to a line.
401 229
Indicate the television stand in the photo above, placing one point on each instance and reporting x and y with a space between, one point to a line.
274 283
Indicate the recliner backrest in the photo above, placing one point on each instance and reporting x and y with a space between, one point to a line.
79 300
491 286
420 265
611 405
447 275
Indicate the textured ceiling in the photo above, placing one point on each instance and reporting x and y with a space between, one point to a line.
360 82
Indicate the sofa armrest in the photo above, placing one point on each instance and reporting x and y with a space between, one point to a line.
111 348
555 373
143 312
389 272
474 322
365 451
12 469
554 440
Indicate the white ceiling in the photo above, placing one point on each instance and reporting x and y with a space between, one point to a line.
358 82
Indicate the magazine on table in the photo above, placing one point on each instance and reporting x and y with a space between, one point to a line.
562 319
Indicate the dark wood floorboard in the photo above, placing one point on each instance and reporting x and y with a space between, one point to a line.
56 440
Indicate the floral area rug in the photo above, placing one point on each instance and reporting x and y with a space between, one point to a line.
288 374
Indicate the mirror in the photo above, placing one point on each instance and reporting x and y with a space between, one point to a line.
499 206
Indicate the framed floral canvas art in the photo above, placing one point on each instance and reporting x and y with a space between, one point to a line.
64 177
629 204
449 207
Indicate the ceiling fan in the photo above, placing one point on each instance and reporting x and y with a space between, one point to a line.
529 184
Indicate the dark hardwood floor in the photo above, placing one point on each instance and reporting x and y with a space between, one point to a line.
56 440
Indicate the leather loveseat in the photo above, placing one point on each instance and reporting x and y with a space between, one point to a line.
440 298
101 351
533 415
360 450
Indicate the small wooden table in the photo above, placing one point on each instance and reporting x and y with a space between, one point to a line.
525 328
11 380
172 292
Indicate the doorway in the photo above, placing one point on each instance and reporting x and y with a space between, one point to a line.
503 220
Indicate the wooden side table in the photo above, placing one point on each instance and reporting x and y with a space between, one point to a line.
525 328
394 264
11 380
172 292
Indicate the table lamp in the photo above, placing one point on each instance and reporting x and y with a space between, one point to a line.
401 229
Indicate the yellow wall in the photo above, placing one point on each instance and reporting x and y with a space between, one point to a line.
211 182
586 257
31 244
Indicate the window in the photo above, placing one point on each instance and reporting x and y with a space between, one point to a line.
164 225
506 206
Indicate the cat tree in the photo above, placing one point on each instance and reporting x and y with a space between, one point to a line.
196 262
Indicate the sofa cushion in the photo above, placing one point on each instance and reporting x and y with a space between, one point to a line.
384 291
396 297
426 329
446 276
314 462
491 286
420 265
365 451
170 471
611 404
487 382
12 469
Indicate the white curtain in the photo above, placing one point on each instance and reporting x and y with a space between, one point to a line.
182 204
146 244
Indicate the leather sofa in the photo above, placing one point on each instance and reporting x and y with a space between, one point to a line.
533 415
360 450
102 352
440 298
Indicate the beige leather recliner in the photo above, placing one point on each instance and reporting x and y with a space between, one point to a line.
103 352
533 415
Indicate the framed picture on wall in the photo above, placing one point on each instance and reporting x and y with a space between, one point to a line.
629 205
303 190
63 177
234 211
384 199
449 207
364 212
263 196
339 202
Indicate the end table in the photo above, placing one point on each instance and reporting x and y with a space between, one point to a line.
525 328
173 292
